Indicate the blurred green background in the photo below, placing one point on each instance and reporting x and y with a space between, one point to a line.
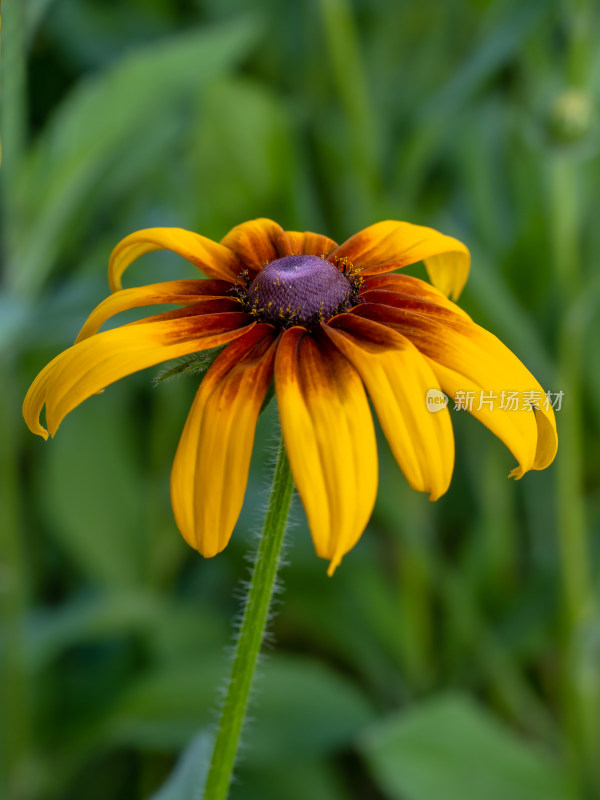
455 654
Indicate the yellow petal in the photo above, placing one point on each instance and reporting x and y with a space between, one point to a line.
517 429
329 438
91 365
389 245
398 378
467 358
171 292
257 242
210 471
312 244
211 257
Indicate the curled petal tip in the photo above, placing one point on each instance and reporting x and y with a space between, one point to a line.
333 565
433 496
39 430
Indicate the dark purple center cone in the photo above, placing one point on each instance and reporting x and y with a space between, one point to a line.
299 290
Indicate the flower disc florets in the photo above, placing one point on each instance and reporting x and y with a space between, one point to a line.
301 290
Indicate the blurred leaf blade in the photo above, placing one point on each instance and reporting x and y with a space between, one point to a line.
92 494
500 41
449 748
35 11
301 707
101 119
190 772
440 112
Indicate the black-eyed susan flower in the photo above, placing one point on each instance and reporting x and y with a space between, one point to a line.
332 325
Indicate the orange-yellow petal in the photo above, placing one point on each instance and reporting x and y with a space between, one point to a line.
204 307
260 241
405 287
398 378
311 244
467 358
257 242
183 292
89 366
211 257
412 304
389 245
329 438
210 471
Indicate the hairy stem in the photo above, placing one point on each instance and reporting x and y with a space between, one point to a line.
251 632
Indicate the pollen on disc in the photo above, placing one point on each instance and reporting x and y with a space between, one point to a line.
301 288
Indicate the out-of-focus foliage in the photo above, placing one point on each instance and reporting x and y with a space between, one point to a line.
456 652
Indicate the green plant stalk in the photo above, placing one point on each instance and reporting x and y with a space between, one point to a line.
578 597
350 83
12 122
416 578
571 508
15 700
251 631
578 20
15 727
508 686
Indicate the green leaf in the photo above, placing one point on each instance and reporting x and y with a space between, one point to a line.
105 118
166 706
35 11
507 317
14 316
93 491
190 773
303 708
293 780
300 708
449 748
247 166
502 34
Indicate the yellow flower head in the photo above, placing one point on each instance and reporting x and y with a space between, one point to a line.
329 323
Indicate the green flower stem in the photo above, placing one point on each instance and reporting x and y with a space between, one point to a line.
251 631
580 681
350 84
572 522
15 699
16 729
13 123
